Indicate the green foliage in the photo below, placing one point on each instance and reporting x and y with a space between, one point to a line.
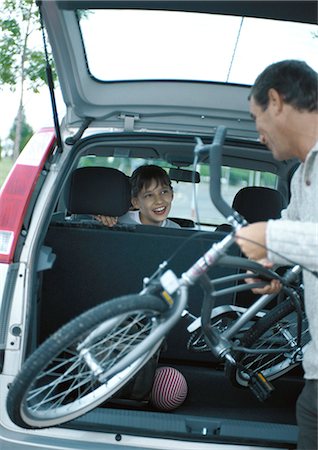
26 132
19 60
36 69
238 177
22 56
5 167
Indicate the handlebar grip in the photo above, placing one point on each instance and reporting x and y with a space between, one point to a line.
215 158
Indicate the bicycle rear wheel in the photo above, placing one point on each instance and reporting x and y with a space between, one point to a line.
222 318
81 365
277 329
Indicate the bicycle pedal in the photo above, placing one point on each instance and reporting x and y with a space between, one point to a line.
260 387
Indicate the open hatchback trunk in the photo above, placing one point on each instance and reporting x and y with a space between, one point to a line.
151 81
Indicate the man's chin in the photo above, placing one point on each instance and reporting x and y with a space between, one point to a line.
278 157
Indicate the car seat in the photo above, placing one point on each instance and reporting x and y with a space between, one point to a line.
256 204
98 190
184 223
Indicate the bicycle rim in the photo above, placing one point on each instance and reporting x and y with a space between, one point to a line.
277 329
61 379
221 319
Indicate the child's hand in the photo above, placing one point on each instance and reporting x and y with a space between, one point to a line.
108 221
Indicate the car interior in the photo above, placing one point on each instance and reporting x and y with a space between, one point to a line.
145 82
104 263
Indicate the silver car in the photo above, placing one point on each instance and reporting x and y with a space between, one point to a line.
143 83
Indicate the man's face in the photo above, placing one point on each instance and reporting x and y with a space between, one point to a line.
270 126
154 203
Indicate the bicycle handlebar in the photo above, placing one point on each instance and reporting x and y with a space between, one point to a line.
215 162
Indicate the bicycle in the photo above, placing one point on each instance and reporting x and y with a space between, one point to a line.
92 357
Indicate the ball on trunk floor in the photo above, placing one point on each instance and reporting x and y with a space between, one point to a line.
169 389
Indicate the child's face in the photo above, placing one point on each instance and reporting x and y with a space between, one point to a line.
154 203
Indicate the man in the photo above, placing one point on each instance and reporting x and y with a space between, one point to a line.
283 103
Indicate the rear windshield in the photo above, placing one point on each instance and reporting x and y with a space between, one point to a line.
193 202
144 44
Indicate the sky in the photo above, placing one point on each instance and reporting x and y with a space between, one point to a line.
194 46
37 108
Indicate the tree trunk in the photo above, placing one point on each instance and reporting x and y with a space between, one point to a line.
18 129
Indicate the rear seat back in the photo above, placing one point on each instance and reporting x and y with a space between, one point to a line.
98 190
95 263
257 204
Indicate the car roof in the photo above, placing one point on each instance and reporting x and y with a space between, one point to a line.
298 11
154 105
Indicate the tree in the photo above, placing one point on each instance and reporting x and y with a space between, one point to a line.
22 65
25 133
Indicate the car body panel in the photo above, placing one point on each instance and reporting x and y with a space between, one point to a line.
175 106
129 119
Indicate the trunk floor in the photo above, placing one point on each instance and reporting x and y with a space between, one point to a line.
210 394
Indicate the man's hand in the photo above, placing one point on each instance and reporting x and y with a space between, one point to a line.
249 238
273 287
252 240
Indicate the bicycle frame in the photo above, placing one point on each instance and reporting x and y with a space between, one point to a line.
220 343
175 290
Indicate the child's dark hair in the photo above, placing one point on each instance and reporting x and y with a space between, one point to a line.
144 175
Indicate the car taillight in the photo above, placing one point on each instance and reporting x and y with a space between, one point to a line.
17 190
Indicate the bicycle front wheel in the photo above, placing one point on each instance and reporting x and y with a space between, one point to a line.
276 329
80 366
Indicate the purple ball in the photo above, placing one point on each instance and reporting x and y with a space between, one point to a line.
169 389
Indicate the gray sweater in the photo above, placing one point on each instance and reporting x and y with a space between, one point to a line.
296 237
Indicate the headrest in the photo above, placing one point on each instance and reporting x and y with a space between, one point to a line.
257 204
99 190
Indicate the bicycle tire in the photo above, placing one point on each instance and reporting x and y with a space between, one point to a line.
56 384
277 328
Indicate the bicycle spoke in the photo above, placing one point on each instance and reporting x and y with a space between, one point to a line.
115 346
282 335
68 378
74 378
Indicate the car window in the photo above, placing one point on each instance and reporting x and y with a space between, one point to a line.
233 179
185 194
152 44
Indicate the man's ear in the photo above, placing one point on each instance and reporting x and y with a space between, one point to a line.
275 100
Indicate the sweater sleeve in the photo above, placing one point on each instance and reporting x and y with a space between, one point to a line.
295 240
